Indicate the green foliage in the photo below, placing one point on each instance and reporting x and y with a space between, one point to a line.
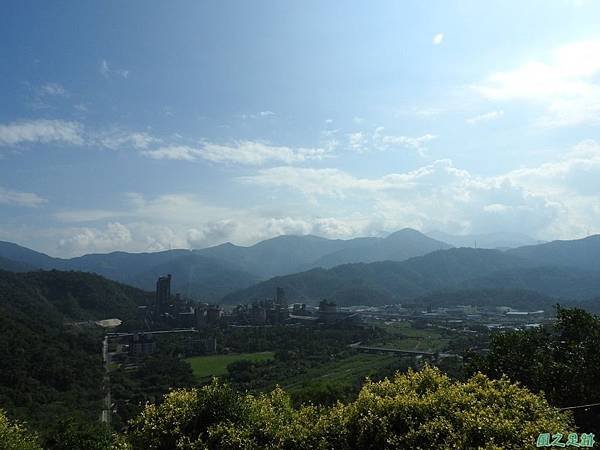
51 371
83 296
217 365
153 377
562 361
414 410
69 434
47 370
14 436
439 271
301 353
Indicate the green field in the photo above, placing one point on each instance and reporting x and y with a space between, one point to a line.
216 365
343 371
403 336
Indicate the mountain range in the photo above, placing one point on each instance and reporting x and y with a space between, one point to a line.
213 272
403 265
561 269
498 240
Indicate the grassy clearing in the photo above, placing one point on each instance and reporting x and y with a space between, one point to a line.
402 335
216 365
344 371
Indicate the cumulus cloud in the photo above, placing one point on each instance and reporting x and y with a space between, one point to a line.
437 39
113 236
485 117
28 199
557 199
41 131
565 84
554 199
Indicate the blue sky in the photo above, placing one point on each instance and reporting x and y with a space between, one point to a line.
145 125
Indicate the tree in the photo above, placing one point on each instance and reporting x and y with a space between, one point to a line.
561 360
424 409
14 436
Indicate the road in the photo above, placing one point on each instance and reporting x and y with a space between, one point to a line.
106 411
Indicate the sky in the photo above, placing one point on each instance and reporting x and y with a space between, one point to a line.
149 125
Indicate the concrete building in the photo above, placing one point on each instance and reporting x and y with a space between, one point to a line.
327 311
163 295
280 299
208 315
141 344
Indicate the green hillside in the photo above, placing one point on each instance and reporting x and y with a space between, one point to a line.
49 369
445 270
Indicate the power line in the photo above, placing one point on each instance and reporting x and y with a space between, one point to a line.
580 406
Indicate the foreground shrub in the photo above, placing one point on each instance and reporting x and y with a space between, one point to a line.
424 409
14 436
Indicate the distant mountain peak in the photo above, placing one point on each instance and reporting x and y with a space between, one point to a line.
405 232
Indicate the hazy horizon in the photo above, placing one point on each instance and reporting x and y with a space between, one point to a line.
144 126
433 234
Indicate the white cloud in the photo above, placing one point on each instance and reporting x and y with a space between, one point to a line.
41 131
417 143
257 153
565 85
28 199
107 72
114 236
557 199
86 215
174 152
485 117
496 208
337 183
437 39
258 115
118 139
378 140
243 152
53 89
104 70
357 140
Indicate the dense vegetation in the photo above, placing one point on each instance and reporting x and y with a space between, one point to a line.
562 361
448 270
51 378
51 369
150 379
415 410
565 269
14 436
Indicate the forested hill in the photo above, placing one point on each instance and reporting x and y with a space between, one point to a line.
213 272
579 253
454 269
49 369
84 296
14 266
